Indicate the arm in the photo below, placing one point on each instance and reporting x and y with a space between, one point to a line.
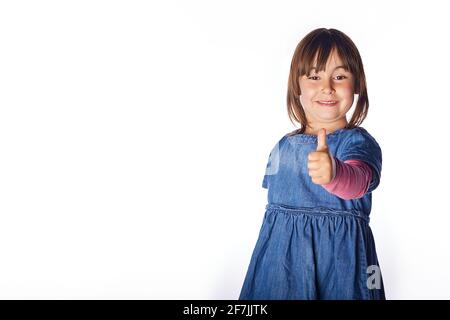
351 179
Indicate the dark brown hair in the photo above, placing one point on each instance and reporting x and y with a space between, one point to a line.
322 42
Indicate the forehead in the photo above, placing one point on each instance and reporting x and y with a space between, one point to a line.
334 62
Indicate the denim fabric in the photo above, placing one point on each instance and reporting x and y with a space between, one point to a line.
313 244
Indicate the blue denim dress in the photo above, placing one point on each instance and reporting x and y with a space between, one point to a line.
313 244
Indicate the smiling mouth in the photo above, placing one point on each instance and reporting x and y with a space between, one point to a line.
327 102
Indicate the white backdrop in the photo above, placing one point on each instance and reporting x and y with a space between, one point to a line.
134 137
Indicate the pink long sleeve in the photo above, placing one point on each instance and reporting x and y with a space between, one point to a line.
351 179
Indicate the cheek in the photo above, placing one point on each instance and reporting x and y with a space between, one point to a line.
308 90
308 85
346 88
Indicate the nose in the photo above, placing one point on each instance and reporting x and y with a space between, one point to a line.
326 87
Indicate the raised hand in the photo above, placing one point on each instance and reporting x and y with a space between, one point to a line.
320 166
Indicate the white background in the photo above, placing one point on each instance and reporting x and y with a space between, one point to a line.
134 137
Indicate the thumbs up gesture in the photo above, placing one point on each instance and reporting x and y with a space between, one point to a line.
320 166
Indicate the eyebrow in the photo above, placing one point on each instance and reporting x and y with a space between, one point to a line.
343 67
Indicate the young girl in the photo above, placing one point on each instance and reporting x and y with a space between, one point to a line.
315 241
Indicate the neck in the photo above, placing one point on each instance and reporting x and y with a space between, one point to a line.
313 128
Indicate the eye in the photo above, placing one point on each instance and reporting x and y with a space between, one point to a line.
342 77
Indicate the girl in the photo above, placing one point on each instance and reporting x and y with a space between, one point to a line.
315 241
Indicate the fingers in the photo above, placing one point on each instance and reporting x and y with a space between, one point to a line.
316 156
313 165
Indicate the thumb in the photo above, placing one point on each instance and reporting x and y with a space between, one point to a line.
322 140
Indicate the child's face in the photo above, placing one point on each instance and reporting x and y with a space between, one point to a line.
332 84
